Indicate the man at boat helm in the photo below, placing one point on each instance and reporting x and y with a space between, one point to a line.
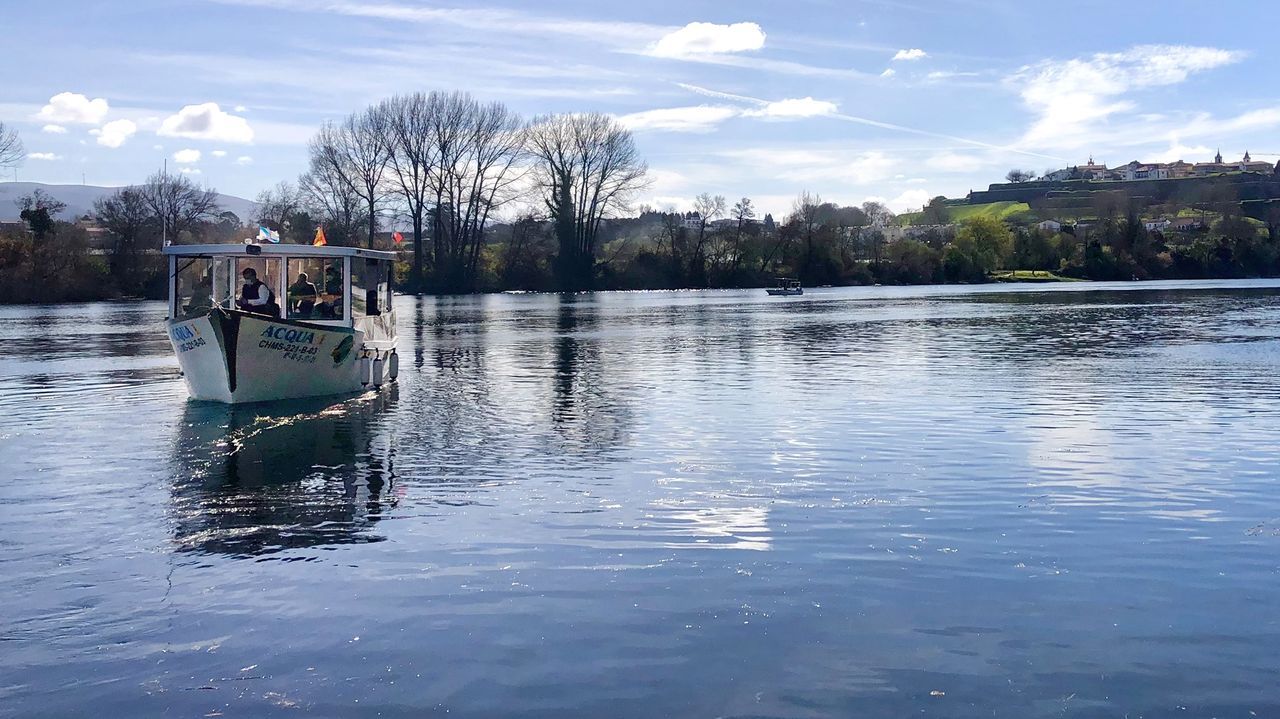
256 297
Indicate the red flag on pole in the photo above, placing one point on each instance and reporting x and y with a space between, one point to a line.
397 237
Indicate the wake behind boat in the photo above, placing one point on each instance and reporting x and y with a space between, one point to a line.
331 331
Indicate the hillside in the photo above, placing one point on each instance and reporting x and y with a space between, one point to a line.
80 199
960 213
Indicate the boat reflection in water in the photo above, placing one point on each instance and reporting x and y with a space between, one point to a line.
254 480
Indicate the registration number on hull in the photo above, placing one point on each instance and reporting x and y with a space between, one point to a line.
185 338
292 344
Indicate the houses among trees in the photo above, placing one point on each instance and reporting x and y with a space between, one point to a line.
1135 170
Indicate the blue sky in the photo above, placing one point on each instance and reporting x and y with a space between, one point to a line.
898 100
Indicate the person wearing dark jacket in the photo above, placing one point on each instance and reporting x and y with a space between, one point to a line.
303 296
256 297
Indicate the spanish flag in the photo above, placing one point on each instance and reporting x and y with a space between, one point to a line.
319 241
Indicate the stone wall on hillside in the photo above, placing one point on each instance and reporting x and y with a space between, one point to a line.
1248 186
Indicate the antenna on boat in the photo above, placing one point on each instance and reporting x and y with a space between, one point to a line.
164 222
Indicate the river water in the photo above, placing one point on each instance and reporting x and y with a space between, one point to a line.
870 502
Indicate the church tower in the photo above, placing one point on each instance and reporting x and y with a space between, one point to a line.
1218 157
1246 156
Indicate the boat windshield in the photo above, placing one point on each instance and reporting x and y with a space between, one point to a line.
199 284
315 289
370 287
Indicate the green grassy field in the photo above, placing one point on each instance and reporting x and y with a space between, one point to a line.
960 213
1030 276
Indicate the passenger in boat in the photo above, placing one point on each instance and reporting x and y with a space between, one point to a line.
201 297
303 296
256 297
331 309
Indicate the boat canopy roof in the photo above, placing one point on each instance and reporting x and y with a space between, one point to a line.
255 250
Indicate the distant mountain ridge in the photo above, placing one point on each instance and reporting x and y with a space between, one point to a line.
80 199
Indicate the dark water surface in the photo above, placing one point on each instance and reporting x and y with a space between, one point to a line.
859 503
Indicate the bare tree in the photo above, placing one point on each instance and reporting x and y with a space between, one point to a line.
128 217
278 205
326 194
877 213
1016 175
412 120
178 203
806 217
586 167
743 214
357 152
708 208
478 147
11 149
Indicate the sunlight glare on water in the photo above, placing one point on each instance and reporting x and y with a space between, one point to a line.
952 502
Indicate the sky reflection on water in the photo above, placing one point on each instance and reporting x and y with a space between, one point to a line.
958 502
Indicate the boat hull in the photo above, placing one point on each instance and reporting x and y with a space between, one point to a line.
237 357
781 292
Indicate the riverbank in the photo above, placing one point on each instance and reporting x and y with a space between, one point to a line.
1031 276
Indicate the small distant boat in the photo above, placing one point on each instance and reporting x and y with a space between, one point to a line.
786 286
327 326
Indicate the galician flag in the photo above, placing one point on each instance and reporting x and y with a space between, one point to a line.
268 235
319 241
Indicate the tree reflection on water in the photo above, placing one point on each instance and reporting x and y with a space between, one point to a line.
253 480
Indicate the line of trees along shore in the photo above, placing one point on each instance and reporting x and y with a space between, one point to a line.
445 167
446 164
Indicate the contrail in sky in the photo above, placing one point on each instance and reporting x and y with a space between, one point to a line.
871 123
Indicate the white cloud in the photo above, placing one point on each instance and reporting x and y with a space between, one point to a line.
43 156
704 118
794 108
74 107
240 108
207 122
666 181
914 53
705 38
952 162
114 133
888 72
670 203
190 171
805 166
514 22
1072 97
157 147
1205 125
1178 151
219 153
699 118
54 129
947 75
909 201
186 157
244 160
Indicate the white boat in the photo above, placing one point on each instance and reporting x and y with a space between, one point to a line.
786 286
333 334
